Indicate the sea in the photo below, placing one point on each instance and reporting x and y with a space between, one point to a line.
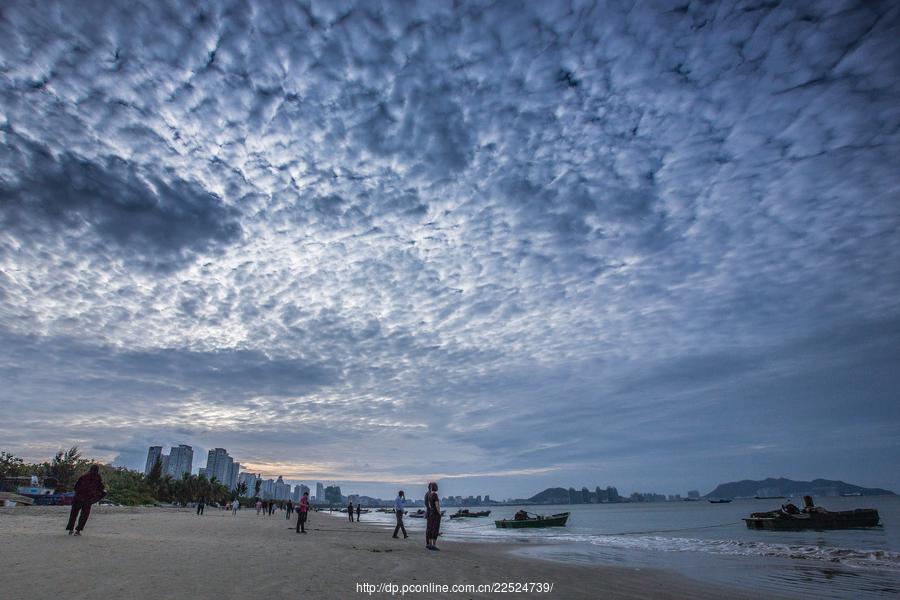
707 542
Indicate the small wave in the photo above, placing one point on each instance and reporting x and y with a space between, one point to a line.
869 559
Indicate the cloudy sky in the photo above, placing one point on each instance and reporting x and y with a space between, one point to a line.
506 245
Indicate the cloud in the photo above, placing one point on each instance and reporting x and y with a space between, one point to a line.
560 236
153 223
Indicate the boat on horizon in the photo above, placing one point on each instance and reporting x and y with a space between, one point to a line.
721 501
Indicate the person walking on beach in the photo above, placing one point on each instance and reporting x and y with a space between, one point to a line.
350 510
88 489
432 517
200 506
398 510
290 509
235 505
358 511
258 506
302 513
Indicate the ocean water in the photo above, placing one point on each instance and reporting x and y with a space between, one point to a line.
709 542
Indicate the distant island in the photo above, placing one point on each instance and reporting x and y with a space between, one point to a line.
772 487
766 488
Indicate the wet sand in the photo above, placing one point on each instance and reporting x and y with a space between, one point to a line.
161 553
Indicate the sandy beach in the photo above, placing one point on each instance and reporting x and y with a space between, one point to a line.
158 553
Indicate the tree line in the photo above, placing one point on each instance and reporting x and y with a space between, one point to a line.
124 486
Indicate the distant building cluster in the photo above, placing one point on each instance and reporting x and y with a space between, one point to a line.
467 501
599 495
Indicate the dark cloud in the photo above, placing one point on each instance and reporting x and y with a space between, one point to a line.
150 221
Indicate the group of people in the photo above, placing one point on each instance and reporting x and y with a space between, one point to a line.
432 516
89 489
266 507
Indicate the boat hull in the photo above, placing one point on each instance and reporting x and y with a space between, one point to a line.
846 519
551 521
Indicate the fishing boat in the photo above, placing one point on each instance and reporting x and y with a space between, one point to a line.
420 514
465 512
557 520
720 501
781 520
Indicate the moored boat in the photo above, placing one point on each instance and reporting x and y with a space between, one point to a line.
557 520
420 514
720 501
780 520
464 512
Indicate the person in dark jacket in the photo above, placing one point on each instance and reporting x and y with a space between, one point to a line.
350 511
358 511
432 516
201 504
89 489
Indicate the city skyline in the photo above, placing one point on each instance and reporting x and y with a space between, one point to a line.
505 246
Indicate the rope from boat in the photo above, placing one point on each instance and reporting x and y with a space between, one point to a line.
668 530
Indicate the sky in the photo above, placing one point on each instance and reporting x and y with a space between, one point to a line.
501 245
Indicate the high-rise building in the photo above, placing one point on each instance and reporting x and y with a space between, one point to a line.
282 489
153 454
320 492
612 494
267 491
304 489
250 480
236 472
218 465
180 461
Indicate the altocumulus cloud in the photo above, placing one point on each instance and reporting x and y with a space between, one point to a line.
562 239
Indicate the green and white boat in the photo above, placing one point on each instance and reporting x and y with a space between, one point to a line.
557 520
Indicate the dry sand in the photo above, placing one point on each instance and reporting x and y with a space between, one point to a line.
161 553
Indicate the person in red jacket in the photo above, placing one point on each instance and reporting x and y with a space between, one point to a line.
88 489
302 513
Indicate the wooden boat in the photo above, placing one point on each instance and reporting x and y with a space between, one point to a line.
464 512
420 514
779 520
720 501
13 499
557 520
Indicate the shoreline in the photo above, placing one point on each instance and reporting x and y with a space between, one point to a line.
153 553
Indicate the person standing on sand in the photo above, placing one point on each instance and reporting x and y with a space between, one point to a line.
302 513
398 510
200 506
235 505
432 517
88 489
358 511
258 507
290 509
350 511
